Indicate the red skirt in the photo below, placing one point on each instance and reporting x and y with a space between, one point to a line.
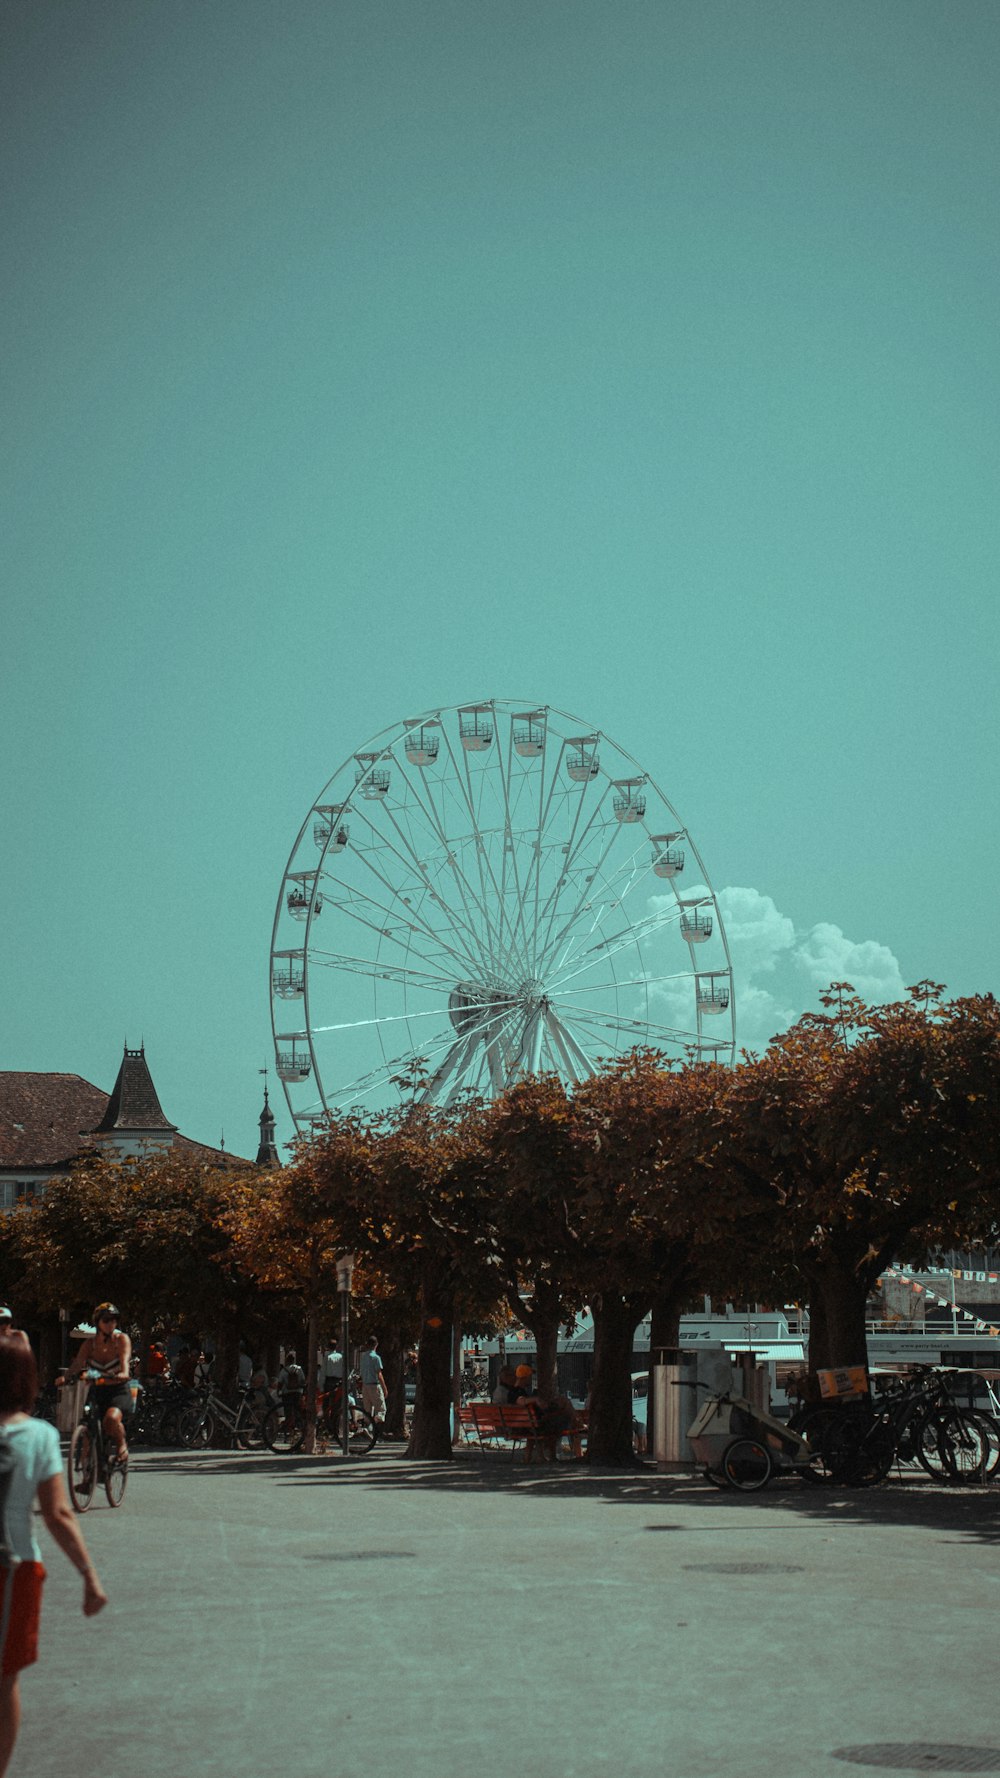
20 1610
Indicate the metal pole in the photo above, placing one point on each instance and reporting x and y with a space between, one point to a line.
345 1334
954 1309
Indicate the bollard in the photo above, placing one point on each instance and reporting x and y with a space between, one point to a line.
675 1404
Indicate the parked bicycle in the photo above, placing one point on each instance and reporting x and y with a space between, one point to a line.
157 1415
208 1418
285 1428
94 1458
911 1420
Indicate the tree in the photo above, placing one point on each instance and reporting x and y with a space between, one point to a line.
145 1233
288 1229
531 1151
643 1219
865 1132
421 1222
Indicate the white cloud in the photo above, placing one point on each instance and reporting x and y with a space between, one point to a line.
757 933
778 973
826 955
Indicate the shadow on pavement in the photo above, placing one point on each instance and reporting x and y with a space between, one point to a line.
959 1513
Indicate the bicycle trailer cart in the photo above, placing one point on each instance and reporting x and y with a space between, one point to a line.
739 1446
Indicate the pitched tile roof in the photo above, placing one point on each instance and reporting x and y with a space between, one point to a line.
43 1117
48 1119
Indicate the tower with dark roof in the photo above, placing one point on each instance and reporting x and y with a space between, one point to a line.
134 1122
267 1153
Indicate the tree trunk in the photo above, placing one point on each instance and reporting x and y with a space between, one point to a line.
544 1318
145 1335
546 1331
616 1318
394 1364
430 1439
837 1332
48 1349
224 1366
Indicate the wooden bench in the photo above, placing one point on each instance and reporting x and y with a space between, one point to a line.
495 1425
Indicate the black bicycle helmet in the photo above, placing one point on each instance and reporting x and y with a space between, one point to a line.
106 1309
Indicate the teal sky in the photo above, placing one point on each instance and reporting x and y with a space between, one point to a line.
635 358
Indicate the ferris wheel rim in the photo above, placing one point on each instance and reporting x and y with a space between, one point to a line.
381 747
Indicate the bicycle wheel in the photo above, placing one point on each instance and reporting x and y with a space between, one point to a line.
284 1432
991 1430
953 1447
747 1465
250 1429
81 1468
170 1425
856 1454
195 1429
813 1425
363 1433
115 1480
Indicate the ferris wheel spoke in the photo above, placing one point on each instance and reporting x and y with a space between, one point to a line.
462 884
574 1056
591 1017
464 956
636 981
544 805
628 864
519 823
503 949
487 944
435 948
381 1019
370 967
568 868
373 1078
508 858
461 773
619 941
461 1052
410 862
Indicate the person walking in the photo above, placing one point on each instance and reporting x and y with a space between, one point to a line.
35 1475
373 1390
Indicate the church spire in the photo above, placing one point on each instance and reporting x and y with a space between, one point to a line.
267 1153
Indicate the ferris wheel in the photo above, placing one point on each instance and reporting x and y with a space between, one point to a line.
493 890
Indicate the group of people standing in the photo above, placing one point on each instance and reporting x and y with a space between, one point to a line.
289 1380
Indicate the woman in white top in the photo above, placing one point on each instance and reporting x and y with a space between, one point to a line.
36 1474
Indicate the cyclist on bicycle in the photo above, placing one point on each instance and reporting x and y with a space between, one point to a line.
107 1353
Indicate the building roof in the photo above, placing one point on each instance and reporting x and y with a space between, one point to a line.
46 1120
134 1104
43 1117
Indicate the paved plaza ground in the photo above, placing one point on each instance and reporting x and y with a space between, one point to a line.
397 1620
